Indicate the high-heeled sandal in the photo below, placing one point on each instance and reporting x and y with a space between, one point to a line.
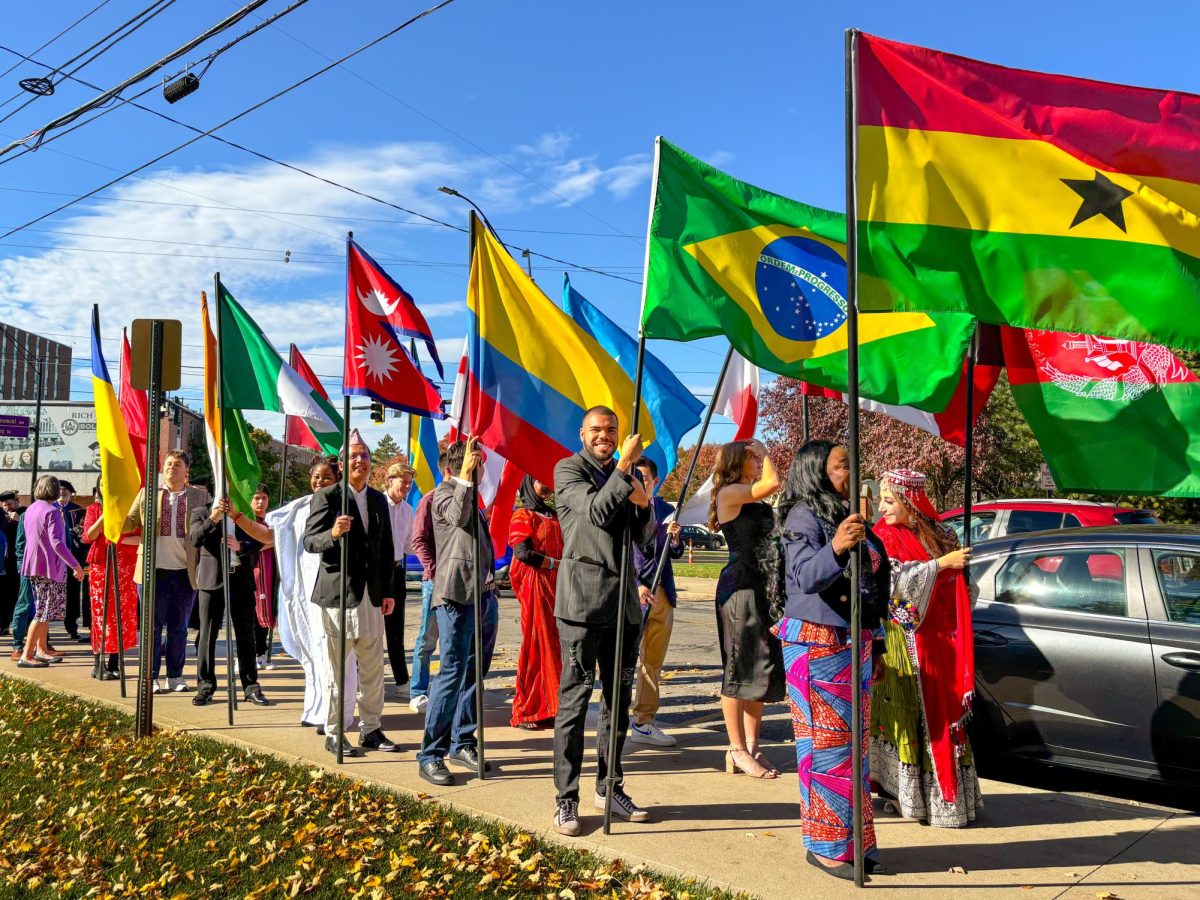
761 759
732 767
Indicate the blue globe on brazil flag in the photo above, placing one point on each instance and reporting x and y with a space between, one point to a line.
801 287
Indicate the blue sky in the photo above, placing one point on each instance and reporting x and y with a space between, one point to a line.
543 112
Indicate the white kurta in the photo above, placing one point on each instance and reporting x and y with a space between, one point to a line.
300 627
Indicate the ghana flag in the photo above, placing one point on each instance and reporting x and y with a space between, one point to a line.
1032 200
727 258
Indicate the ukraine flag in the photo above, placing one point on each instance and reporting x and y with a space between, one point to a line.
119 478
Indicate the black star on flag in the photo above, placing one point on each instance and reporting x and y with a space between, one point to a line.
1100 198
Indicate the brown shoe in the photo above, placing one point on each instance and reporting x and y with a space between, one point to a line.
16 654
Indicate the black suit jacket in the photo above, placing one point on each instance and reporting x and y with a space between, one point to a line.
593 508
205 535
371 550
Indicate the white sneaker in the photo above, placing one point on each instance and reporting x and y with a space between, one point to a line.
623 806
418 703
155 687
177 685
650 735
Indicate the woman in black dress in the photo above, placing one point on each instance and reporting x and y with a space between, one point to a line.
751 657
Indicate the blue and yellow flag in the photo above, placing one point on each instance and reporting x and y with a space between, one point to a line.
119 478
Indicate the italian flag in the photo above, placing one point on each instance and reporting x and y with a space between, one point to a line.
1111 416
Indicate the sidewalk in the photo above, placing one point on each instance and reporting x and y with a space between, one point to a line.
734 832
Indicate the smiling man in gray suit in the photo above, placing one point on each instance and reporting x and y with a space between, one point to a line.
601 504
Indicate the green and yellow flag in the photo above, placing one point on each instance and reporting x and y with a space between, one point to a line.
1032 200
729 258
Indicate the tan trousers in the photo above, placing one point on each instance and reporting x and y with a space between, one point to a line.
655 638
364 636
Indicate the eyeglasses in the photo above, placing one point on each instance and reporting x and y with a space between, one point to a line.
360 455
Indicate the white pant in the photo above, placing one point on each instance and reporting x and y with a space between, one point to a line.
364 636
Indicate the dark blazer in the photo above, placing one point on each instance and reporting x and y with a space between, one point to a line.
454 576
818 580
371 551
205 535
593 508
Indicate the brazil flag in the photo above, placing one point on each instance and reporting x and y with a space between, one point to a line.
728 258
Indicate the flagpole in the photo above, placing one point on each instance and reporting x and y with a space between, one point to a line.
114 565
144 722
344 564
852 399
661 566
804 417
108 571
972 356
477 587
610 778
225 530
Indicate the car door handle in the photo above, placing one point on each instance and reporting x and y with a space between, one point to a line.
1183 660
990 639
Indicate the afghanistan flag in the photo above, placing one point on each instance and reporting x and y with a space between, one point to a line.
1031 200
728 258
1111 416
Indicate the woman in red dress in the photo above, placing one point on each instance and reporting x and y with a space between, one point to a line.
536 539
126 592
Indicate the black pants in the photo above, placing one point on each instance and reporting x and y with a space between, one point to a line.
75 605
212 615
10 584
584 647
393 626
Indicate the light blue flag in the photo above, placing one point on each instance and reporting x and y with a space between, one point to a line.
672 407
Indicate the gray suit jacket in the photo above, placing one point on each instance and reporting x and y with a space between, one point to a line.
454 577
593 508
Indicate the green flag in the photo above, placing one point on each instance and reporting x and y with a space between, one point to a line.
727 258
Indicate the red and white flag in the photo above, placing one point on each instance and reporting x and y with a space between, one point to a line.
134 408
378 365
738 401
299 432
459 418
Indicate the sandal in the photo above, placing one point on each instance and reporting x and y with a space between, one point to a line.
762 760
753 768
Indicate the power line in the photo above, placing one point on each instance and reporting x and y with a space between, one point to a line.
86 15
132 25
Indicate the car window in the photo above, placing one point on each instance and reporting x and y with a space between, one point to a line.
1021 521
1091 581
1137 517
1069 521
1179 580
982 526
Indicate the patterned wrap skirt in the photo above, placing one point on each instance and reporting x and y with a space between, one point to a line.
817 660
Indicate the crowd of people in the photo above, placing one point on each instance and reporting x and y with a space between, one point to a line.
782 614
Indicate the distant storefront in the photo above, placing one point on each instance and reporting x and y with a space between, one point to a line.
67 446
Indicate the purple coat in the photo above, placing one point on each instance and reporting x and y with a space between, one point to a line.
46 550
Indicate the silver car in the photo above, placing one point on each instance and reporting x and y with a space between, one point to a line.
1087 649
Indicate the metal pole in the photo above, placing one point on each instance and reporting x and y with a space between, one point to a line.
109 574
344 541
113 567
227 594
972 355
283 473
145 699
804 417
37 418
687 481
610 778
477 586
852 400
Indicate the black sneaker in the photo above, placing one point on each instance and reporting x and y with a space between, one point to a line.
468 758
623 806
566 818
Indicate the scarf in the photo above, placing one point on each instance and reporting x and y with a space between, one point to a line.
946 655
531 501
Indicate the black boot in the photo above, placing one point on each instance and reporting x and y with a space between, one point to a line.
108 668
96 668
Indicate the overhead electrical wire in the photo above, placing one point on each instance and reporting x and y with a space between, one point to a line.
95 9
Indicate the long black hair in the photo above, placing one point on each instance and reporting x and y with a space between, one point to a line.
808 484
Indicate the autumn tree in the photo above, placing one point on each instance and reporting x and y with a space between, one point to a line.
704 466
386 449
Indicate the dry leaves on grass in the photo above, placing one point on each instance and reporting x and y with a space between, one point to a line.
95 812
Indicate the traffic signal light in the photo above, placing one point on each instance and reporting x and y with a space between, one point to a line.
376 412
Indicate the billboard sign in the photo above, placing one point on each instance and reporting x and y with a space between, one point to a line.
67 443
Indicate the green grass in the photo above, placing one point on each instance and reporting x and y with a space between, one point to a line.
697 570
91 811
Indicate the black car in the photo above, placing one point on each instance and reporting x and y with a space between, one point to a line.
701 538
1087 649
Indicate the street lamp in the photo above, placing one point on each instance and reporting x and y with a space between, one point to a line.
453 193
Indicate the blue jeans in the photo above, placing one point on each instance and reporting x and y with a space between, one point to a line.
450 716
22 614
173 600
427 638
